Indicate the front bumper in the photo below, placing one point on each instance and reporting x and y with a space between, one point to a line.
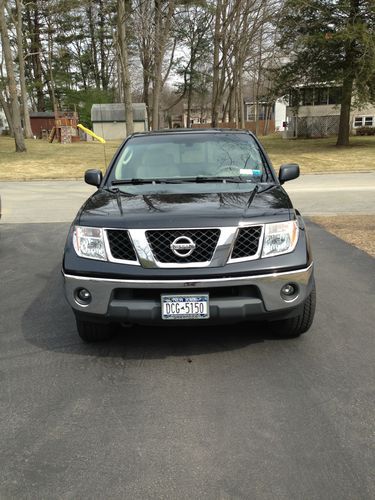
234 299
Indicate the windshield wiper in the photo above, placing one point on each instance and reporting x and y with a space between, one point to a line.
181 180
221 179
119 182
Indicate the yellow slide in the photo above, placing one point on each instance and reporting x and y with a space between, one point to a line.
90 132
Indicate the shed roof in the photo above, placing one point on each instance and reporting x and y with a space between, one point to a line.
115 112
42 114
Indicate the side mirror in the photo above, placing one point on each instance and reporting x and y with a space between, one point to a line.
288 172
93 177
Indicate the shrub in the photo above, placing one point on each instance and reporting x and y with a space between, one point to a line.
365 131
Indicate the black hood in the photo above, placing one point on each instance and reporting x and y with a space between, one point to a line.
202 209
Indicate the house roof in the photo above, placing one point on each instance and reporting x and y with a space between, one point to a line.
42 114
115 112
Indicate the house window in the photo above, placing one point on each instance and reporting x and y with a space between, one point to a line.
367 121
321 96
334 95
295 98
308 97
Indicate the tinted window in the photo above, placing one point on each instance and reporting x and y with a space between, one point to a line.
189 155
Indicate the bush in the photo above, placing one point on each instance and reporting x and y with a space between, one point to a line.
365 131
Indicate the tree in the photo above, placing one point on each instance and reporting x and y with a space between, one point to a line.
21 63
12 84
330 42
163 13
4 98
218 36
33 21
193 31
143 26
122 22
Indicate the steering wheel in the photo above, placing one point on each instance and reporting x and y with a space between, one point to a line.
228 170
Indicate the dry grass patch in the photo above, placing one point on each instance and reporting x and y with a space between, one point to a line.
357 230
52 161
321 155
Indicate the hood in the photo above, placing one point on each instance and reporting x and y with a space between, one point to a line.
201 209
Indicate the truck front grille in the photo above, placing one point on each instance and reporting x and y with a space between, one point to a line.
247 242
205 241
120 244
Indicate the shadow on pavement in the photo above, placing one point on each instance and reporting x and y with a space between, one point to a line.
49 324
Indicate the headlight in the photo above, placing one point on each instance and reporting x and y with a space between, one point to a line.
280 238
89 242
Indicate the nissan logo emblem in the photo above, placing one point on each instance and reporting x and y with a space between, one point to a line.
183 246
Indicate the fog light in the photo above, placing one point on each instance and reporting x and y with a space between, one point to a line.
83 296
289 291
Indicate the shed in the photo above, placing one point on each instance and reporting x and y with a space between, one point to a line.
109 120
42 121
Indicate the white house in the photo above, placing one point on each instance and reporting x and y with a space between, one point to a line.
315 112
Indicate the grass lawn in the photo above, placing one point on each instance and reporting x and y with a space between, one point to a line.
54 161
321 155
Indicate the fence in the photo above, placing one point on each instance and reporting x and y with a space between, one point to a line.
313 126
264 127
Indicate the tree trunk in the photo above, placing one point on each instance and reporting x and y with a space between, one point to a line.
103 76
119 92
83 72
348 82
50 81
344 125
15 107
226 107
146 95
156 84
37 48
237 107
25 105
35 71
124 60
240 97
190 89
256 117
144 46
156 90
216 66
94 54
7 112
161 34
4 101
189 101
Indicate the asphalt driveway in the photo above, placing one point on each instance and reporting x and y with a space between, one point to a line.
184 413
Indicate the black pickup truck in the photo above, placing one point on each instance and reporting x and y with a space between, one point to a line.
189 227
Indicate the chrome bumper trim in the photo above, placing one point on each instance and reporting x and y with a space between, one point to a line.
269 286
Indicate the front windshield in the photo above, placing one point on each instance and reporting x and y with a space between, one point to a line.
188 156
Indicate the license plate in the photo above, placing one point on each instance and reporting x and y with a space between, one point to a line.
185 307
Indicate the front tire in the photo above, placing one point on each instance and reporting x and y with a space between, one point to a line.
296 326
94 332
